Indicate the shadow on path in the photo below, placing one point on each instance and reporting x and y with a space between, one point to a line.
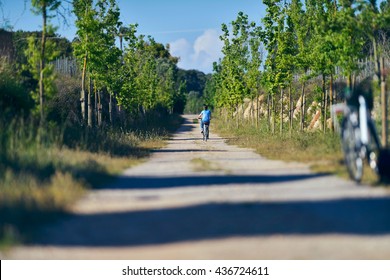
188 151
222 220
155 182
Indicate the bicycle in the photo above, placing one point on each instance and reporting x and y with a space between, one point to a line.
360 141
206 131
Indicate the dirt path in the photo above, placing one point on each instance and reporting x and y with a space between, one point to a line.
196 200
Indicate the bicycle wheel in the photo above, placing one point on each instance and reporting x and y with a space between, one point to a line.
206 133
374 146
351 144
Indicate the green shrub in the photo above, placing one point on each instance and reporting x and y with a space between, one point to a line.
14 98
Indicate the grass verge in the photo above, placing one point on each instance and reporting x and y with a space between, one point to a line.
40 180
322 152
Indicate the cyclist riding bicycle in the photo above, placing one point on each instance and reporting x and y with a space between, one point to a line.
205 117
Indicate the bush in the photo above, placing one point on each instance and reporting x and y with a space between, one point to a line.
194 103
64 107
14 98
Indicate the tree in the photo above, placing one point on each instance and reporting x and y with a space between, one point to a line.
325 53
46 76
253 73
273 26
105 61
44 8
149 76
98 25
231 73
86 29
372 20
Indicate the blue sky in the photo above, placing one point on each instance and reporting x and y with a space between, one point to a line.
191 27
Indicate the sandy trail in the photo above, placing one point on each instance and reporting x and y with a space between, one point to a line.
196 200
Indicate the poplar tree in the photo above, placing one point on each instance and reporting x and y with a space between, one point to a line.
44 8
87 29
272 29
97 25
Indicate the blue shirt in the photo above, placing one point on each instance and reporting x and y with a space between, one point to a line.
206 115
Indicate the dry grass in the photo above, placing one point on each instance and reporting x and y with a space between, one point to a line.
29 199
202 165
39 182
321 151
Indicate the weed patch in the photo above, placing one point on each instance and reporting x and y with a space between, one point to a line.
201 165
321 151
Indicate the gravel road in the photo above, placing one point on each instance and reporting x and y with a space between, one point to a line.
197 200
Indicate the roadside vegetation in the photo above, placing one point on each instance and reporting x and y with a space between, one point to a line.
321 152
73 115
274 88
41 176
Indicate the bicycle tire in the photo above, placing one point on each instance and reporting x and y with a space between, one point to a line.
374 147
206 133
352 148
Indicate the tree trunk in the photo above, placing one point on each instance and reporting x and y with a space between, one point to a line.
384 104
325 110
83 78
268 112
42 63
100 107
376 59
243 114
331 101
349 84
303 101
237 117
89 103
110 109
290 110
251 112
281 110
258 111
273 114
121 43
323 103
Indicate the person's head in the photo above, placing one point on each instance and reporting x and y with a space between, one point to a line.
205 106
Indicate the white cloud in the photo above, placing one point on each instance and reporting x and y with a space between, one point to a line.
182 49
201 54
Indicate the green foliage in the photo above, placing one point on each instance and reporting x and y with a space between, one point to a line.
33 54
149 80
97 28
63 107
15 99
20 43
194 80
44 6
194 103
304 41
237 75
143 77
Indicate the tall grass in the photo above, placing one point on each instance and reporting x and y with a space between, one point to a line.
43 172
297 146
322 152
